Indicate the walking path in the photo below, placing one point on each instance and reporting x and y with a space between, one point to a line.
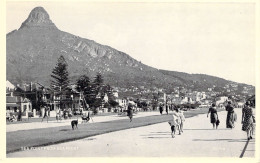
198 140
44 124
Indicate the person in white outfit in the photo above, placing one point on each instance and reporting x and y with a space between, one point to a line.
175 123
182 119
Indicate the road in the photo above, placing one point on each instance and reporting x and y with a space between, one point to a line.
198 140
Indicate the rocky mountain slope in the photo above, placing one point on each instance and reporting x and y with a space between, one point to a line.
33 50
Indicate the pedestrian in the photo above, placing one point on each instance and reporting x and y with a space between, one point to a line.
231 117
58 114
167 109
181 117
213 116
247 120
46 113
130 111
253 129
177 120
70 113
175 123
19 115
161 109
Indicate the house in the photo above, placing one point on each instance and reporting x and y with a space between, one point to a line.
176 100
9 86
105 98
186 100
14 104
122 102
115 94
221 100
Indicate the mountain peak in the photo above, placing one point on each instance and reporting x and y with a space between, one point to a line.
38 17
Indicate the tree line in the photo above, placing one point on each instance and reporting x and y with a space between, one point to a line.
93 91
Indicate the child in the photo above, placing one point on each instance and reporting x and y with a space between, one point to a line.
182 119
173 128
175 123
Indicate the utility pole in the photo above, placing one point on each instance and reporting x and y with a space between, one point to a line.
36 98
61 107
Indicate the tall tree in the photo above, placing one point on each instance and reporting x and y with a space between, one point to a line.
84 86
155 101
98 83
60 79
97 92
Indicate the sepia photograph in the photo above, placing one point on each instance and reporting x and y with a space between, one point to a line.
130 79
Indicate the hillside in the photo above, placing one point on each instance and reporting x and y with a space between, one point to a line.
33 50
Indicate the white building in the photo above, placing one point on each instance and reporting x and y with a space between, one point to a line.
221 100
122 102
9 86
106 98
115 94
186 100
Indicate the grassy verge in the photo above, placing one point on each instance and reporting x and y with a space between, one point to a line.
30 120
47 136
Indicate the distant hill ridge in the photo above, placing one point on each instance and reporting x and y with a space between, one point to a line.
33 49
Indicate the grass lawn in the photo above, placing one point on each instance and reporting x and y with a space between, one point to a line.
47 136
30 120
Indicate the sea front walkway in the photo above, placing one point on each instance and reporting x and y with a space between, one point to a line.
198 140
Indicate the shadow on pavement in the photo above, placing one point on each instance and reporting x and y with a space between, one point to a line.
228 140
206 129
156 134
157 137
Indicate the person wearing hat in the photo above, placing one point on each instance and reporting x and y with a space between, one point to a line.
247 120
230 115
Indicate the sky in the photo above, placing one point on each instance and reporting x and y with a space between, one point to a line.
208 38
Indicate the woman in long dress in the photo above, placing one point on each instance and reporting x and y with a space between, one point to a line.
213 115
130 112
230 122
161 109
247 120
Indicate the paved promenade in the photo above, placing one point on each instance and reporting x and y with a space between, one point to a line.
198 140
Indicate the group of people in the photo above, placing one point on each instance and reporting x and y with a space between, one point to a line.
231 116
177 121
10 118
161 109
248 118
